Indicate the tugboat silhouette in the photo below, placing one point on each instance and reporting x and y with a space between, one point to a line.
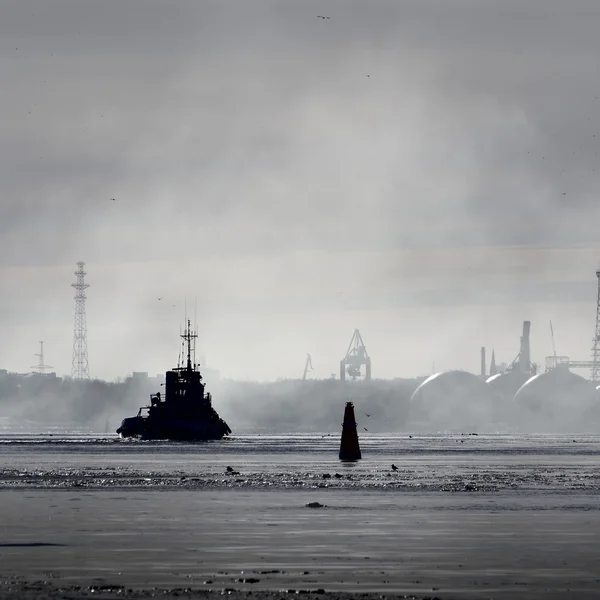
185 413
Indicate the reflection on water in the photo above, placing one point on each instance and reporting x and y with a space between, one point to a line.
465 462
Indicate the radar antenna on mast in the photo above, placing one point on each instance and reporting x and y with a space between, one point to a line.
189 338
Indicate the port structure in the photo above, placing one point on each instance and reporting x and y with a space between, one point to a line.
41 366
522 362
552 362
555 361
307 367
80 368
483 367
356 357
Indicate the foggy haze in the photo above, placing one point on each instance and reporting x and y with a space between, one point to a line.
424 171
553 402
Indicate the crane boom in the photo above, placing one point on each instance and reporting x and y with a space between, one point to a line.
307 366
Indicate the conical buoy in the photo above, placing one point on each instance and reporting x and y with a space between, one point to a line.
349 448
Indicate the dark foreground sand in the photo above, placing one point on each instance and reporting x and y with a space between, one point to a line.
47 590
236 543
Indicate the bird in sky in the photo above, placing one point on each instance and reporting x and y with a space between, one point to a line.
160 298
367 415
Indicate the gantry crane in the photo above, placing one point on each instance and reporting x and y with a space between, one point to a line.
355 358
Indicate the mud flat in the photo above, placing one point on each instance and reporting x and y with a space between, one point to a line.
240 542
461 516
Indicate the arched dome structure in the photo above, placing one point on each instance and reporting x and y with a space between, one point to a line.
504 386
454 400
556 401
507 383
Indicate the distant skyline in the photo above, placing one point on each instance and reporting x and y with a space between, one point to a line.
426 172
391 316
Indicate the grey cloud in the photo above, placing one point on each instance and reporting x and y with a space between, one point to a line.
252 129
238 101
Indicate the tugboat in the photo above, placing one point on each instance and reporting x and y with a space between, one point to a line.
186 411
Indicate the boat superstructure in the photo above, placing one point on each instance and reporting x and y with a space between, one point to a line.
185 412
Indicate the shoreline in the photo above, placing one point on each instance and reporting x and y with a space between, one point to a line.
45 590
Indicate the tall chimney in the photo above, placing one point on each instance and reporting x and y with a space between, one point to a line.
483 363
525 352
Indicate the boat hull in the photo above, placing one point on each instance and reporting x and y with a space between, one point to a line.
172 429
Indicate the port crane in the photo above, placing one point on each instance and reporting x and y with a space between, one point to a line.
307 366
356 357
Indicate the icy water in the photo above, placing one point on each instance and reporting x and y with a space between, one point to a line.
462 516
466 462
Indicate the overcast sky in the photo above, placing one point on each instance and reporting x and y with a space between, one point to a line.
425 171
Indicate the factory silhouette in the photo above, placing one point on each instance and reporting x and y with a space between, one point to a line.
519 397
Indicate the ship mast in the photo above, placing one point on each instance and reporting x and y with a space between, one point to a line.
188 336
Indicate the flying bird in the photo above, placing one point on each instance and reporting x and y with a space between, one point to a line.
367 415
365 429
322 17
160 298
113 199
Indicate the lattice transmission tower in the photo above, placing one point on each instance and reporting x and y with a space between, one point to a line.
596 347
80 368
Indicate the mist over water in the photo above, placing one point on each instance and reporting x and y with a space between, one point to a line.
381 406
